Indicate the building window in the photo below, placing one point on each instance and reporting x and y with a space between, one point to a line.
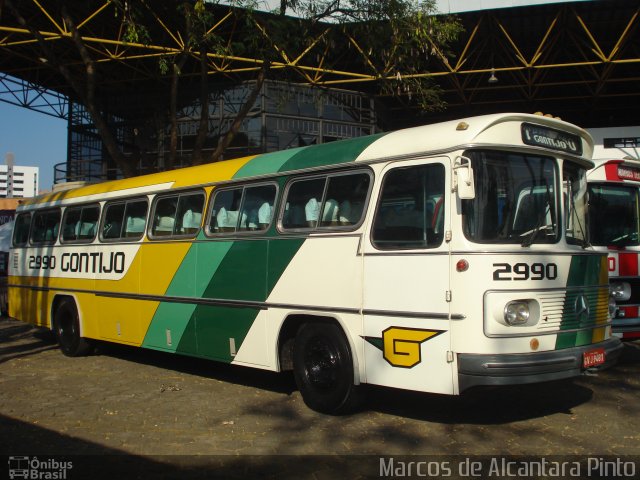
629 142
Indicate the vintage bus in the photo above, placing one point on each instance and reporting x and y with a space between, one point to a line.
614 213
434 259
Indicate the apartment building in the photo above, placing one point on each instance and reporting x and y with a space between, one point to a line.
17 181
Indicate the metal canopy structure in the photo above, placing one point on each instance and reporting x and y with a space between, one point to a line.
577 60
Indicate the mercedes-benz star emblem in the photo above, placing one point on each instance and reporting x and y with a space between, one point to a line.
581 308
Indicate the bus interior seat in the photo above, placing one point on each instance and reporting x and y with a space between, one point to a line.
164 226
84 230
135 227
191 221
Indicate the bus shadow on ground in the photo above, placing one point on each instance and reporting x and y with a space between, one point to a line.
233 374
489 405
499 405
39 453
22 340
481 405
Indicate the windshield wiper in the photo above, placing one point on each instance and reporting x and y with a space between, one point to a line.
631 237
540 226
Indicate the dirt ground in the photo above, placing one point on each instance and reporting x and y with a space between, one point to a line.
175 417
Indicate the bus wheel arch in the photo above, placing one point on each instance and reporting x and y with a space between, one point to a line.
323 362
65 323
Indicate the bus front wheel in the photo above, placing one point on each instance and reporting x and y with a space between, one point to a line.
323 369
66 325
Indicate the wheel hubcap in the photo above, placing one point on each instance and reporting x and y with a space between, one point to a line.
65 331
321 363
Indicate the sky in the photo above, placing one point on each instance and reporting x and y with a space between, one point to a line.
35 139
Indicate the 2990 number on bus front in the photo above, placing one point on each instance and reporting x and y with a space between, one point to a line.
524 271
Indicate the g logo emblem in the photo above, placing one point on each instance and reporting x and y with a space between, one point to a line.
401 346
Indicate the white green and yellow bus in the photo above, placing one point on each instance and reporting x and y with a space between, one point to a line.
434 259
614 206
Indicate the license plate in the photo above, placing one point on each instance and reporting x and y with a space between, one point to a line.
593 358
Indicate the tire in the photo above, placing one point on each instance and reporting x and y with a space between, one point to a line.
323 369
66 326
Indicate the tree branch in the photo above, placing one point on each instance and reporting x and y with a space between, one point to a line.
226 140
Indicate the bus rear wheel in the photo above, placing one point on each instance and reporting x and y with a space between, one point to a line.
323 369
66 326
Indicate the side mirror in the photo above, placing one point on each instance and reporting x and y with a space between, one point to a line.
463 178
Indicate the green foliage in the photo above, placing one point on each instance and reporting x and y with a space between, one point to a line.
135 31
163 65
393 40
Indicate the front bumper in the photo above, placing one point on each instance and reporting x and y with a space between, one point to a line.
518 368
626 325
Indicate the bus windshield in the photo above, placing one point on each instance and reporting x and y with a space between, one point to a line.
515 199
614 215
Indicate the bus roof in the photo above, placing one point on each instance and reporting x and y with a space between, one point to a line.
446 136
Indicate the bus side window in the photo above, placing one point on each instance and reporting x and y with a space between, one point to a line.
404 218
335 200
89 220
135 218
346 197
164 216
45 226
124 220
70 224
224 213
79 223
178 214
21 229
257 207
302 204
112 223
189 212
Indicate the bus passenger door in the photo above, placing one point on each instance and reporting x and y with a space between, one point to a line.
406 278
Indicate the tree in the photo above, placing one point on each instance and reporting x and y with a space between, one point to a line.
391 41
84 88
396 39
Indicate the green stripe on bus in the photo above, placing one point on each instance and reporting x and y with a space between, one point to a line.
175 317
250 271
329 153
235 270
584 270
266 163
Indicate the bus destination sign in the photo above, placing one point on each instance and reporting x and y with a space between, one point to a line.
628 173
539 136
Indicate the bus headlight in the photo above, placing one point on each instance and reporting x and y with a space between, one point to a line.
517 312
621 291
